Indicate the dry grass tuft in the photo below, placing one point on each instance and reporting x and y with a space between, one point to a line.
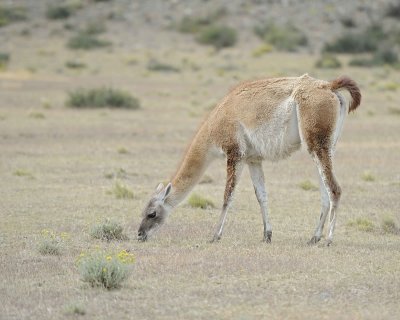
23 173
307 185
362 224
197 201
121 191
368 176
389 226
108 230
51 243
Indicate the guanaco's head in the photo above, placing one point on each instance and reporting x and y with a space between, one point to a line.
155 212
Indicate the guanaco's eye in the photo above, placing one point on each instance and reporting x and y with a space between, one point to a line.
152 215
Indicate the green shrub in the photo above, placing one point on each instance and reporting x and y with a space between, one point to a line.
365 41
86 41
389 226
95 27
307 185
121 192
59 11
385 56
100 269
51 243
197 201
195 24
328 61
108 230
101 98
362 224
154 65
284 38
4 59
75 65
11 14
217 36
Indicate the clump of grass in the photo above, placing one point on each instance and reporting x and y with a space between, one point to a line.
328 61
75 65
362 224
368 176
389 225
120 174
23 173
123 150
194 24
95 27
101 98
120 191
36 115
75 309
51 243
358 42
86 41
307 185
219 36
101 269
59 11
197 201
154 65
262 50
284 38
108 230
4 60
10 15
394 111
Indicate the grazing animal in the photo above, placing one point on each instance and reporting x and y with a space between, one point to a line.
260 120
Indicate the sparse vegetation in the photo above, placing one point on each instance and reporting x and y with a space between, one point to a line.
36 115
218 36
389 226
121 191
368 176
23 173
194 24
75 64
123 150
95 27
10 15
108 230
59 11
101 269
4 59
328 61
262 50
358 42
86 41
101 98
197 201
393 10
307 185
155 65
284 38
119 174
75 309
362 224
51 243
386 56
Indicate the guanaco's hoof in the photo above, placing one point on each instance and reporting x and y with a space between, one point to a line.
215 239
268 237
314 240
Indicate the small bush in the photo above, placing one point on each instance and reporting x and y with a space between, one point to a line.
95 27
362 224
284 38
154 65
366 41
4 59
86 41
11 14
51 243
262 50
389 226
367 176
197 201
108 230
59 11
75 65
101 98
307 185
381 57
195 24
121 192
100 269
328 61
217 36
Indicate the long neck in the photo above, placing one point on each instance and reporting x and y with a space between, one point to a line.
191 169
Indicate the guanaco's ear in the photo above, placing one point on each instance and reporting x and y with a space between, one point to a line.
159 188
167 190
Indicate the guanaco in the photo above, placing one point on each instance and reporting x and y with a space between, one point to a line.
260 120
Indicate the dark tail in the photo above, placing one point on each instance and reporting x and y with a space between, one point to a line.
344 82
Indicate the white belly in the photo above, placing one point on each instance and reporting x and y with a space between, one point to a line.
275 139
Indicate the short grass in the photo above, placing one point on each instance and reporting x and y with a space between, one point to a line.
307 185
198 201
362 224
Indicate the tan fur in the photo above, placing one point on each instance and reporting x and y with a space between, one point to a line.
268 119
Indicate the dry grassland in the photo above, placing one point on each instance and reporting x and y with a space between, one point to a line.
56 169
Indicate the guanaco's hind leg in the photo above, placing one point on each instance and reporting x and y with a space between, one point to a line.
233 170
257 177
